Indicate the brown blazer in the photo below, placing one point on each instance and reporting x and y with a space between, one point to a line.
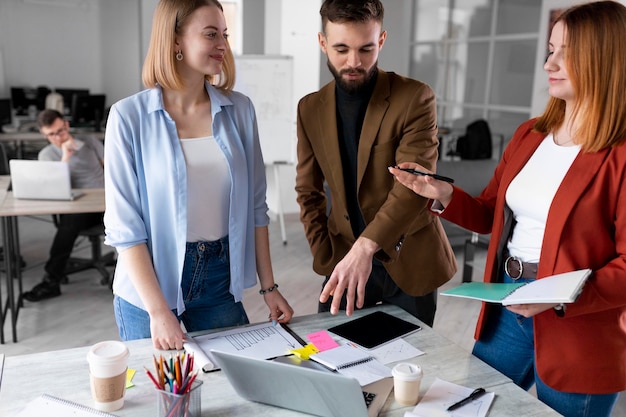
400 125
585 351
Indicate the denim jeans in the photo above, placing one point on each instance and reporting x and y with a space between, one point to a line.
205 286
507 345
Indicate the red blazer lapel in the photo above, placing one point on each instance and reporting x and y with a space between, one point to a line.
579 177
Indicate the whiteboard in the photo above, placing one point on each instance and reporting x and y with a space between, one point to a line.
268 81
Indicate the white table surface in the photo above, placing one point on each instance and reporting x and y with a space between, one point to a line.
92 201
65 374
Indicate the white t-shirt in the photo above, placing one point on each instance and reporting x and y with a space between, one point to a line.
530 195
208 189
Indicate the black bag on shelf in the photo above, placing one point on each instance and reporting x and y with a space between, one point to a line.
476 142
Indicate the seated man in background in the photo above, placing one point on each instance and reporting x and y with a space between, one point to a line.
85 157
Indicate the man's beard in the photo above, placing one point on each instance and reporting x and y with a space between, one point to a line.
353 86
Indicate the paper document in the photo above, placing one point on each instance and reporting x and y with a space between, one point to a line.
443 394
395 351
560 288
261 341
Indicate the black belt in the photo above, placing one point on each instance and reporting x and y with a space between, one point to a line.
517 269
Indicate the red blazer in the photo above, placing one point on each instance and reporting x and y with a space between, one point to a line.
585 351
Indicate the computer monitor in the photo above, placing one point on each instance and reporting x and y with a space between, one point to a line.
88 111
22 98
5 112
68 95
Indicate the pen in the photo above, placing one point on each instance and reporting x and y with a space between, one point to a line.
435 176
475 394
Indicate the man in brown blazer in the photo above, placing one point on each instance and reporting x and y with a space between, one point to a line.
378 242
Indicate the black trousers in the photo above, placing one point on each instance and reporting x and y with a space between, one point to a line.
381 288
68 227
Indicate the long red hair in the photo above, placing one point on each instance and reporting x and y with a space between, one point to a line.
596 63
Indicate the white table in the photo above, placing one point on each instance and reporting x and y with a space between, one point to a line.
65 374
92 201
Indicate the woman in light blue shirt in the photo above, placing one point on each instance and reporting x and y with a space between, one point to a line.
185 187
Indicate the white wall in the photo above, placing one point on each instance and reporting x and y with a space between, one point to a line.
291 29
121 56
92 44
50 45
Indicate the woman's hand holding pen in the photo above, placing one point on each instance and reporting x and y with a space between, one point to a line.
424 185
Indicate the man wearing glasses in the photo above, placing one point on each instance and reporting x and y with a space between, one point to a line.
85 157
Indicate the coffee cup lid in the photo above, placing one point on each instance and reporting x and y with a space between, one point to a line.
108 351
407 371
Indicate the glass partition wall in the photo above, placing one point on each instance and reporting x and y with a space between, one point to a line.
479 57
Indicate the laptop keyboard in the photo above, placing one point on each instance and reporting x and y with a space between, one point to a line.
368 397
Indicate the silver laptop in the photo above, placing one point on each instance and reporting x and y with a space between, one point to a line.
41 180
302 386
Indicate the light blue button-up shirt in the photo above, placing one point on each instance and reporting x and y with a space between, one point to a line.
146 188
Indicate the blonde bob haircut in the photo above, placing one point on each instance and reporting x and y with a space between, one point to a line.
595 59
160 64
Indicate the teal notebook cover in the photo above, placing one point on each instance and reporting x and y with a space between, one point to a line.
493 292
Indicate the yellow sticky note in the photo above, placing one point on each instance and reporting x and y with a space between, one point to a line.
305 351
130 373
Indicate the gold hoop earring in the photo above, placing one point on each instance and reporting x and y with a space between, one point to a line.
179 55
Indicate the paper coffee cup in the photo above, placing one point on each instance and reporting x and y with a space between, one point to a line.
107 369
406 383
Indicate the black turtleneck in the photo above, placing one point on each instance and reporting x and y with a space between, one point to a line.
351 108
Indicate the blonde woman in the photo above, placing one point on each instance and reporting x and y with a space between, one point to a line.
185 186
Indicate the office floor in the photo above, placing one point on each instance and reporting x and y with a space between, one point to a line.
83 315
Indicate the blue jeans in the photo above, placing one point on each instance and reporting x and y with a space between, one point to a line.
507 344
205 286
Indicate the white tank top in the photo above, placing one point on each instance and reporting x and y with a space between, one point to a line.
530 195
208 189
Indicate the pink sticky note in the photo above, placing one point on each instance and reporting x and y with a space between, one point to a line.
322 340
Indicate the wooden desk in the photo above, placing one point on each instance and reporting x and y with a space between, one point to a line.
65 374
92 201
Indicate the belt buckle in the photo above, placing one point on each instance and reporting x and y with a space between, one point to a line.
506 267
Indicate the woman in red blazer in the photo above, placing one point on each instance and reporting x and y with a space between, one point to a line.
557 203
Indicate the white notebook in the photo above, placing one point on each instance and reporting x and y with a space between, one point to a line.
560 288
353 362
49 406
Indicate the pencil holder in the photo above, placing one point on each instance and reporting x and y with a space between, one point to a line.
180 405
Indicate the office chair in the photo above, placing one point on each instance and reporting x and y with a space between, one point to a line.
98 260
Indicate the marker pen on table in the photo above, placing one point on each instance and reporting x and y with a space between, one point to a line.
475 394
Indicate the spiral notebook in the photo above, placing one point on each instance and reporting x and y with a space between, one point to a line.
49 406
560 288
353 362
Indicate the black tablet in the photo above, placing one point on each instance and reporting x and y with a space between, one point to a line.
374 329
